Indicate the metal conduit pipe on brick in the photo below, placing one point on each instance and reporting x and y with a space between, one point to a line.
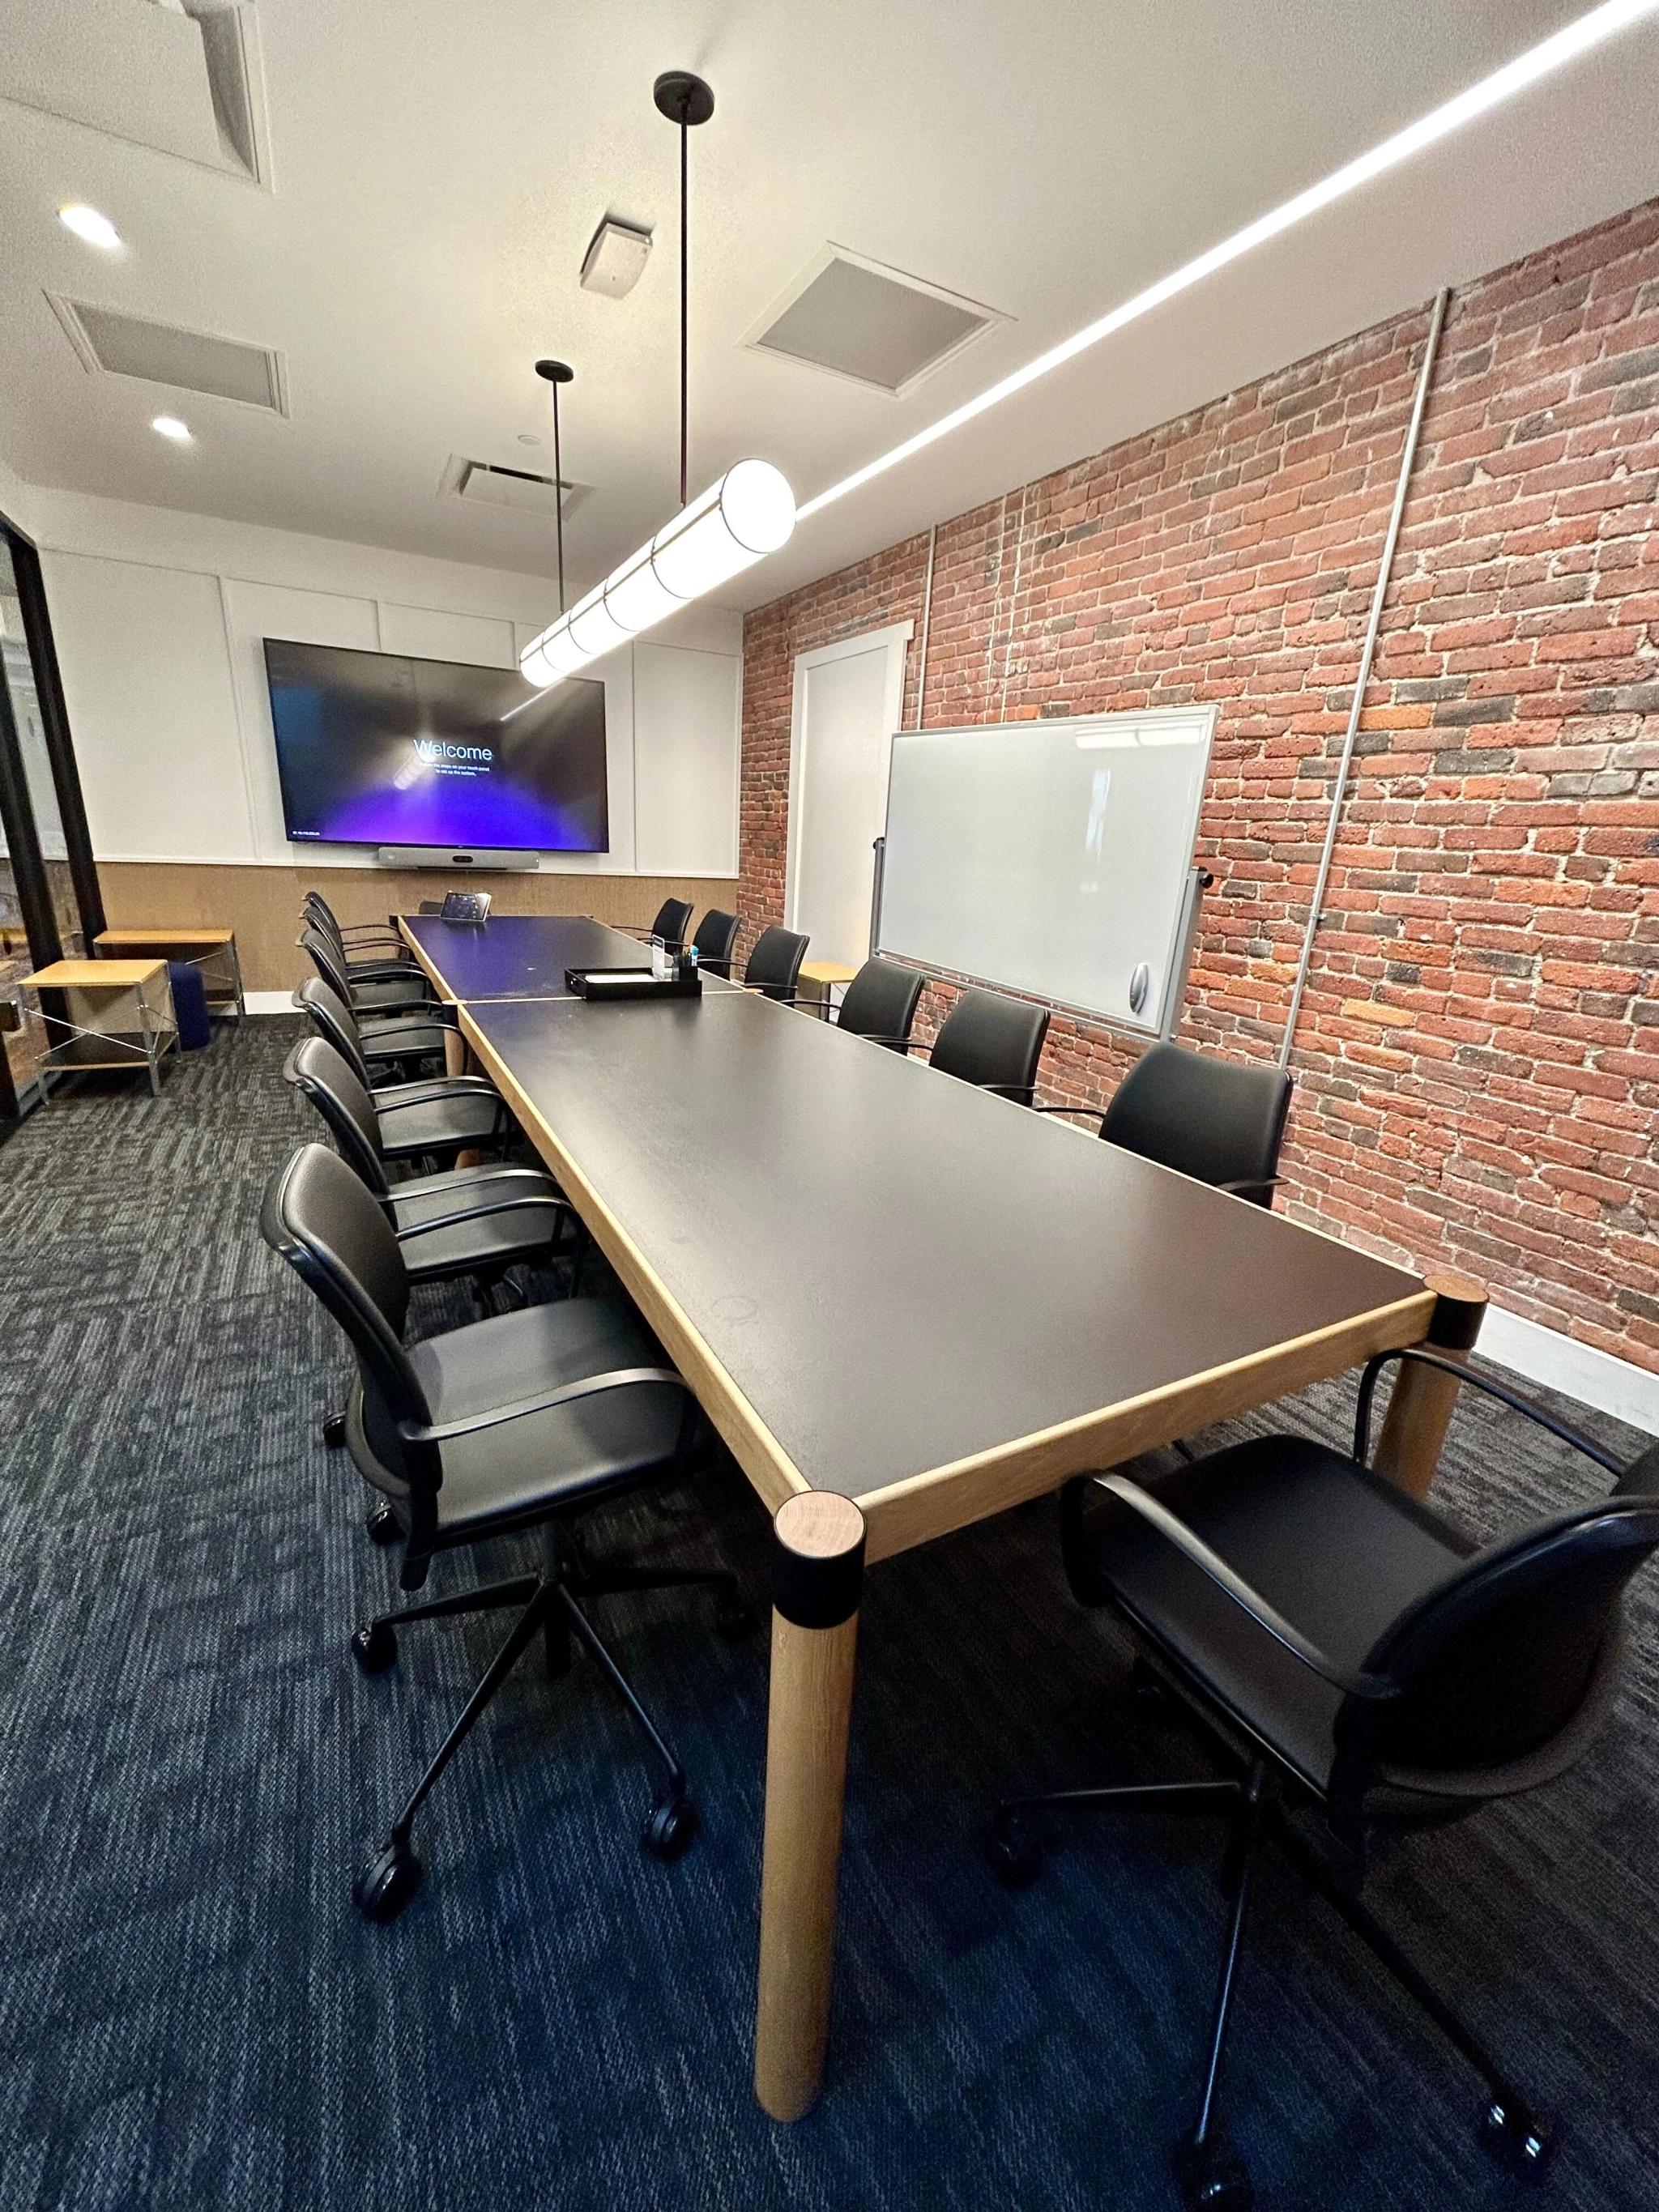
1373 629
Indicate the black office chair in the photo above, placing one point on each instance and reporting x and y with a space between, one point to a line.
408 1045
524 1421
429 1122
716 941
774 966
374 955
1221 1122
390 987
1352 1652
478 1222
993 1041
880 1004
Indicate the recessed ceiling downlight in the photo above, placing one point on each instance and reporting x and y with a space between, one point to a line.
169 426
91 227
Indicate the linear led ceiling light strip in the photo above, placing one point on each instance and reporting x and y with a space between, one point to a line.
747 514
1516 76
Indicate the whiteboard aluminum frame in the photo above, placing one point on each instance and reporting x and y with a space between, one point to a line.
1183 942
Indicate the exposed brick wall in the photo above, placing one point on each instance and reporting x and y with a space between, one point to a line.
1478 1053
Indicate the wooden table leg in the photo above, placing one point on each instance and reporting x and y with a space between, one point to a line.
818 1573
1408 1450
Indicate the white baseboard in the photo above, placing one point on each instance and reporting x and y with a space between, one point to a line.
269 1002
1577 1370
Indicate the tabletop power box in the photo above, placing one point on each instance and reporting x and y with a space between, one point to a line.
625 984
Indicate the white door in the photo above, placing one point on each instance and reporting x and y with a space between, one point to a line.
847 705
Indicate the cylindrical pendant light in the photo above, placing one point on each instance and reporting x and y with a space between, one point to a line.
748 513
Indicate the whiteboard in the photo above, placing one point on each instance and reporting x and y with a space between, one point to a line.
1049 857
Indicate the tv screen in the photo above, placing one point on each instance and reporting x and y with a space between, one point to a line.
378 749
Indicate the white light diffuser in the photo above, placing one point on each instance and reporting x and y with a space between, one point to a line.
1479 99
747 514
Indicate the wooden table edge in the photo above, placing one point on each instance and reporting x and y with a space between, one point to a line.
431 973
920 1507
768 1467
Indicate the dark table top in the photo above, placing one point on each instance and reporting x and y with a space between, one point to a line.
520 955
898 1272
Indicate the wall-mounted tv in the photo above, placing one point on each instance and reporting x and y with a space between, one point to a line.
379 749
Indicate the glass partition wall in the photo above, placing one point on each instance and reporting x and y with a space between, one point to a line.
49 907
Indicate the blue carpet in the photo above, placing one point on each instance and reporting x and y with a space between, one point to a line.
192 2014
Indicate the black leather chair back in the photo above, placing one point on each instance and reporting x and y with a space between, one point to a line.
324 956
1218 1120
716 940
673 920
318 1215
774 963
994 1042
320 1074
1496 1662
881 1002
332 1017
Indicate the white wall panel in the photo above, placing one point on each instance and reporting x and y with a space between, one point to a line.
687 757
147 680
430 634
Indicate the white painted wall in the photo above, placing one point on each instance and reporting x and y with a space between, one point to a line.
159 618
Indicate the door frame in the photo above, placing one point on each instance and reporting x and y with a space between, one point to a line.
895 639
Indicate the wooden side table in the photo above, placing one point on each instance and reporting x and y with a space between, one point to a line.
212 950
823 976
116 1013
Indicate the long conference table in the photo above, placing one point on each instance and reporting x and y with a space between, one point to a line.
905 1304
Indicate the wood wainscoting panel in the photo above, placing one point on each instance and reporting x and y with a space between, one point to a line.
262 904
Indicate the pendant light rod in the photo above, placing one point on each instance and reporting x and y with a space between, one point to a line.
686 100
558 373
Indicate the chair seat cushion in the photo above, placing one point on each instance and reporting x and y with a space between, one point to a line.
1335 1549
437 1125
520 1470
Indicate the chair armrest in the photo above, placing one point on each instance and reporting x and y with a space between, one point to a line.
429 1093
1094 1113
479 1213
544 1402
1019 1092
386 971
1427 1358
1352 1683
379 930
1247 1184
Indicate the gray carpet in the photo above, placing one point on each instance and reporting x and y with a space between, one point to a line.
193 2015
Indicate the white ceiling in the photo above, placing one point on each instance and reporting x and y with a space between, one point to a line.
439 169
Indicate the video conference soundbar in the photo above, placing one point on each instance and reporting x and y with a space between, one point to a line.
447 856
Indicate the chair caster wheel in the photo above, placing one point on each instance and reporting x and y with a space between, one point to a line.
1211 2176
334 1432
1521 2142
387 1882
669 1827
382 1524
374 1648
734 1616
1012 1852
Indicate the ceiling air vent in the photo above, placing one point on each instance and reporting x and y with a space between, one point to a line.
185 360
489 483
874 325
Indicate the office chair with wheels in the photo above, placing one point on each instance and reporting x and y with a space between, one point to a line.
524 1421
1352 1654
408 1045
389 987
478 1222
716 941
1221 1122
880 1004
774 966
993 1041
430 1122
